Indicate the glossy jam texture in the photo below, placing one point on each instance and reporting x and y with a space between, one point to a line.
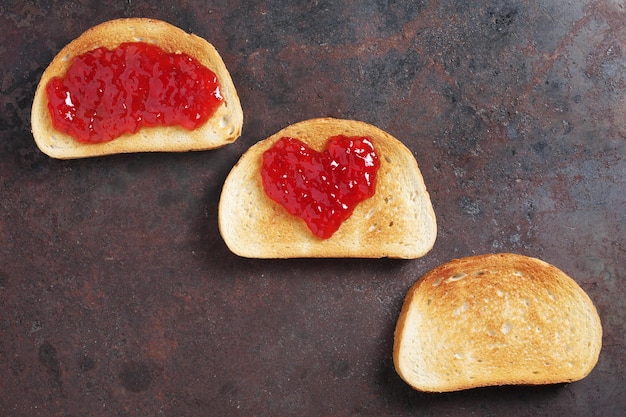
107 93
322 188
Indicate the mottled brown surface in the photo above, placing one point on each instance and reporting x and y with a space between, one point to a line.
119 298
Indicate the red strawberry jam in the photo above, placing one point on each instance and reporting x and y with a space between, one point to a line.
322 188
107 93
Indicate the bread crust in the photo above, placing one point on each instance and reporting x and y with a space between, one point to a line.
398 221
496 319
222 128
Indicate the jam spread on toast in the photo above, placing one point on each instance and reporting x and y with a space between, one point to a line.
107 93
322 188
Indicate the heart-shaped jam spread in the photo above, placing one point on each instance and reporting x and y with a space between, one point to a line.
106 93
322 188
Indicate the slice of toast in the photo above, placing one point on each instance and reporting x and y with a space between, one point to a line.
398 221
501 319
222 128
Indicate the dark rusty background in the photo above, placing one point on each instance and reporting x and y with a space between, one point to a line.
119 298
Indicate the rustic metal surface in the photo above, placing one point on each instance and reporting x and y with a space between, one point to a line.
119 298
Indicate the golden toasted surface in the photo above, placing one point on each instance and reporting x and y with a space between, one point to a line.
495 320
222 128
398 221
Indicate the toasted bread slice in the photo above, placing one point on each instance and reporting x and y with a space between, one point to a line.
222 128
500 319
398 221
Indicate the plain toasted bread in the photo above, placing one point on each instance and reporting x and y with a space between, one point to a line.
222 128
398 221
501 319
